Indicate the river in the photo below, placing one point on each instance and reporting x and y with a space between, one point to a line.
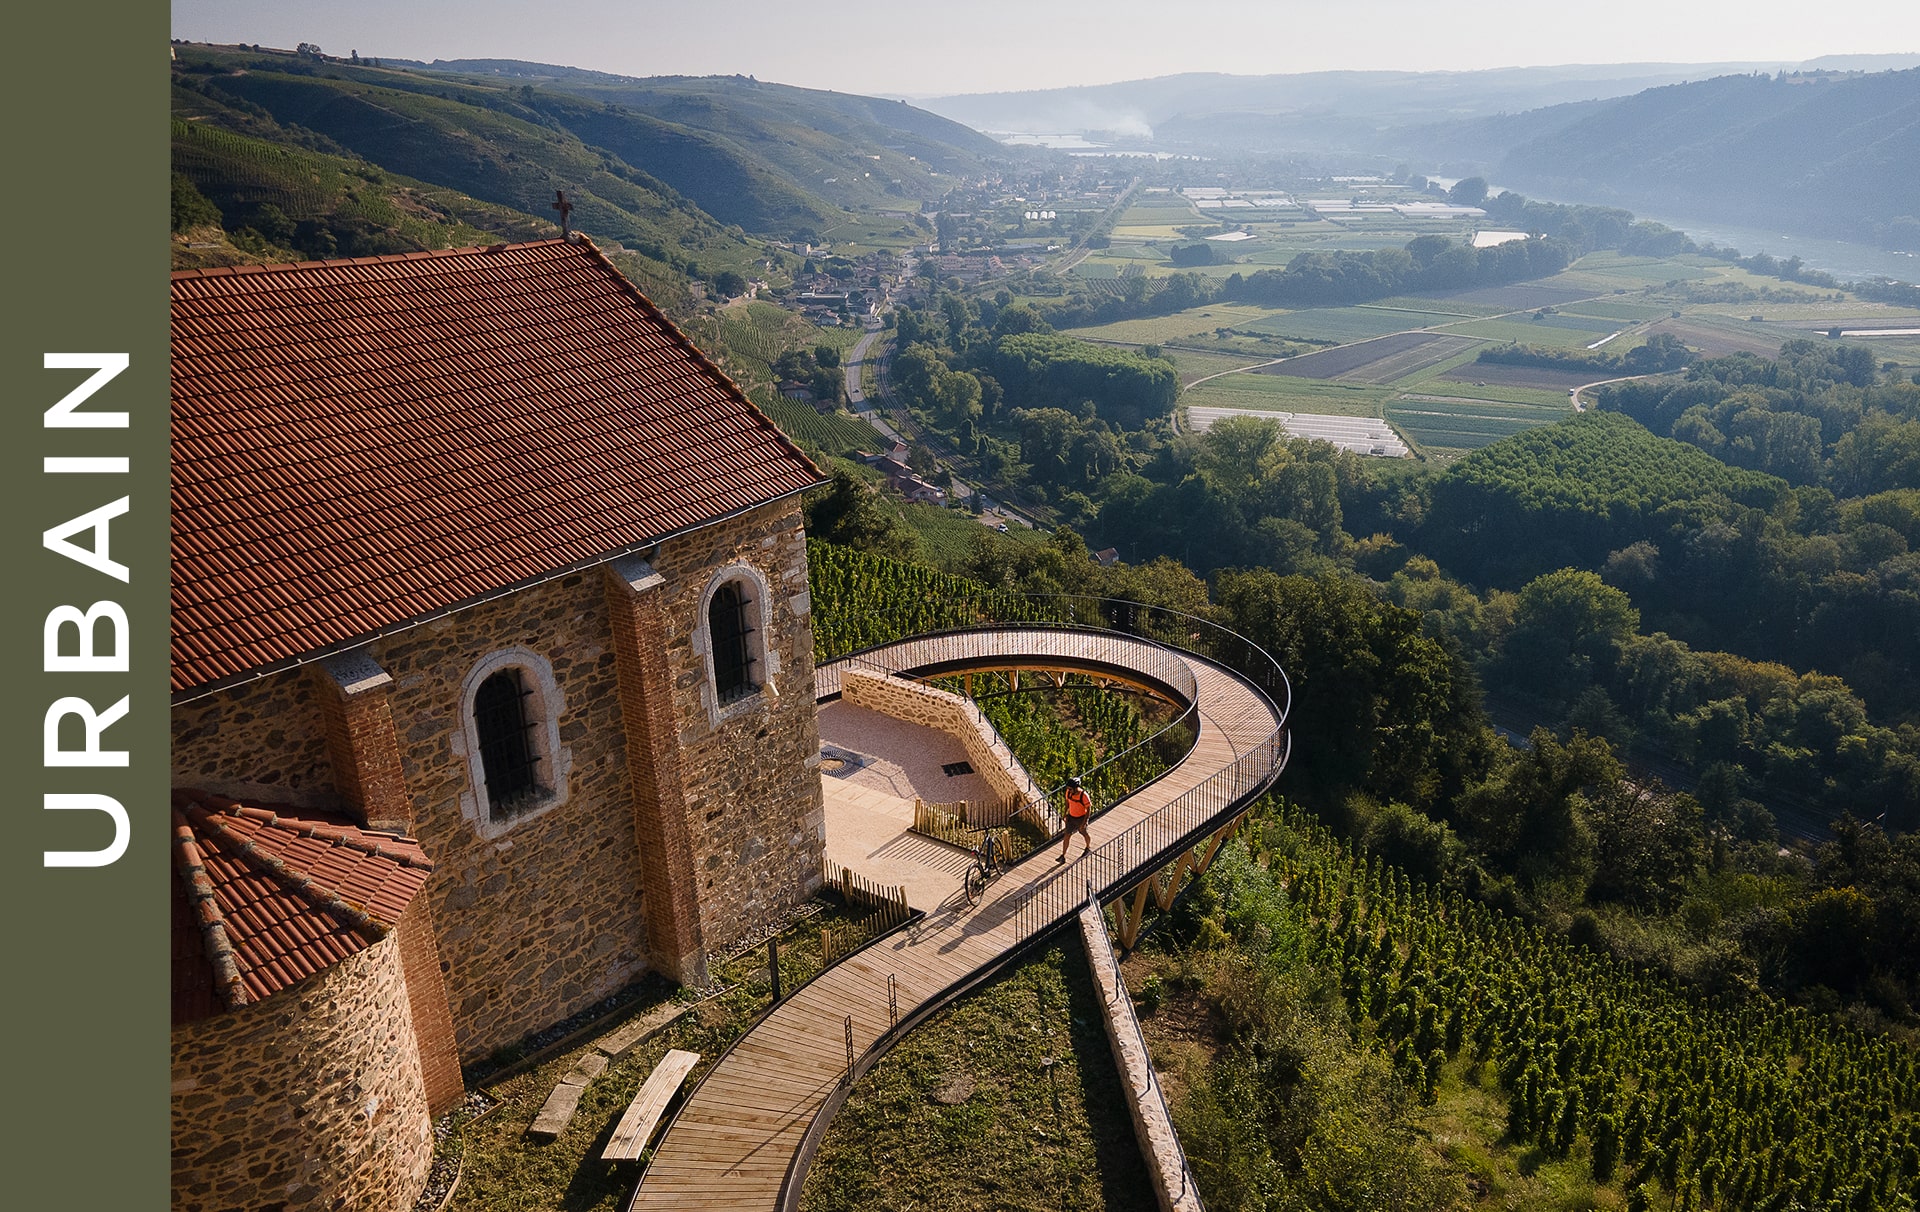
1837 257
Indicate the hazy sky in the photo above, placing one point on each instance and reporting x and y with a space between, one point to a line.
913 47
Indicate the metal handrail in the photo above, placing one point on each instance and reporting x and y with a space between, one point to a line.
959 648
1041 906
1086 614
1171 628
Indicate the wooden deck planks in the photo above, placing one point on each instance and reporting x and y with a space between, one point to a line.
733 1142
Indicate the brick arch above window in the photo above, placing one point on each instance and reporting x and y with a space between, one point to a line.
532 769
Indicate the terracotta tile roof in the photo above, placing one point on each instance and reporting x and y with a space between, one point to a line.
266 897
358 444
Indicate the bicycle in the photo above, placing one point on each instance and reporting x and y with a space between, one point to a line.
988 864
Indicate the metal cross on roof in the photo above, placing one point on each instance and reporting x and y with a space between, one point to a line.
565 208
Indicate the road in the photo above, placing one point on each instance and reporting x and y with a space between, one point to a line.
856 365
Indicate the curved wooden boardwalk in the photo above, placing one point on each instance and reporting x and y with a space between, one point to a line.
733 1143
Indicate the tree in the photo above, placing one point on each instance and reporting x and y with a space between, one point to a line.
851 514
1528 815
728 284
1469 191
190 207
1568 627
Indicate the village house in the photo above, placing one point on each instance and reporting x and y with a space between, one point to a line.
493 690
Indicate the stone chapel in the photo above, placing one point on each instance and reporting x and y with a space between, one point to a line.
493 689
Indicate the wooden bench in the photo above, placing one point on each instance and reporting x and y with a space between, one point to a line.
643 1113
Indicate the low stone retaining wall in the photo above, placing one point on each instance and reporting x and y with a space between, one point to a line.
1159 1147
957 717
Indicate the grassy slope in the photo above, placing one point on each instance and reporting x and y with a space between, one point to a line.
729 182
480 142
846 149
965 1114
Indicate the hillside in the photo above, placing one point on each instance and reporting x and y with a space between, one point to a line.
1567 494
479 142
838 149
661 164
1819 151
857 152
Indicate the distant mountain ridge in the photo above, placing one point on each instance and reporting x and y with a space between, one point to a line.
1809 150
1358 99
640 158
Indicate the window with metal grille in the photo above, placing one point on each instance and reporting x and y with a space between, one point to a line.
508 754
732 656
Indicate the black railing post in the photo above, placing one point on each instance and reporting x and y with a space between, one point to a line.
773 964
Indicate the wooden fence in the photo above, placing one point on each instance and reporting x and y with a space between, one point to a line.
963 823
889 902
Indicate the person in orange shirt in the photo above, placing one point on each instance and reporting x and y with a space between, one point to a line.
1079 808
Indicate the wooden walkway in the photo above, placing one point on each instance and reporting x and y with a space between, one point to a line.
736 1139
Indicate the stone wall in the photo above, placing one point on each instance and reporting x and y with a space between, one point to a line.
311 1099
539 916
754 808
932 707
263 741
1173 1185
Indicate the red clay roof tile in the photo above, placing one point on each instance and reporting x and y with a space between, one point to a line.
266 897
357 444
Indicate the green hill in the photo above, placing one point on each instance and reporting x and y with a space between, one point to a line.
275 187
1831 153
709 135
481 142
729 183
856 152
1566 495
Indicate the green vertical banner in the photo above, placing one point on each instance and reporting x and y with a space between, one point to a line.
85 478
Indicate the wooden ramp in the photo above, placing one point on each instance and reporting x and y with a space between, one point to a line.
735 1141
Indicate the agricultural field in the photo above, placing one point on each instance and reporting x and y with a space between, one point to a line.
833 433
871 233
1361 435
1717 336
1196 321
1455 306
1447 426
1540 378
1523 296
1539 332
1274 393
1191 365
1614 309
946 535
1381 360
1341 323
1410 359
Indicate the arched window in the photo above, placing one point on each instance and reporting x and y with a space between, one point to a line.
517 769
509 755
730 630
733 639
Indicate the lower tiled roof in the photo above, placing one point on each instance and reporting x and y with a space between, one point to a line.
358 444
265 897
